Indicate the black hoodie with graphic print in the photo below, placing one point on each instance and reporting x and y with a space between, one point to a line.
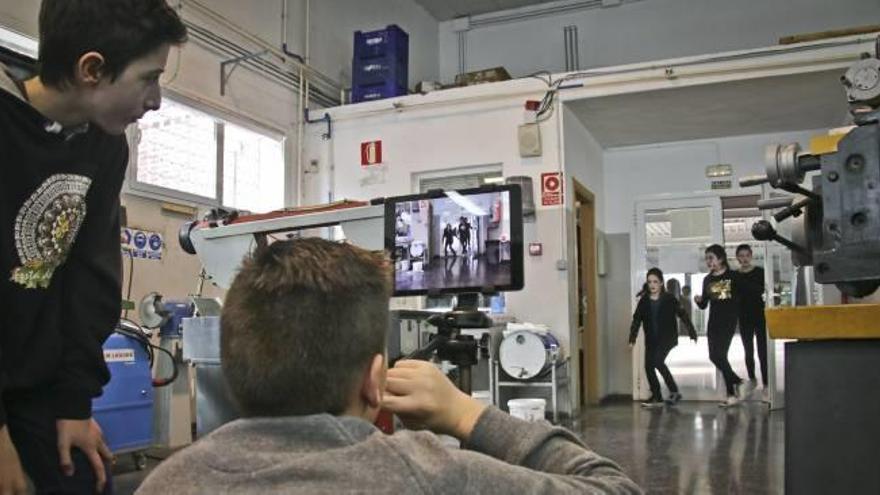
60 262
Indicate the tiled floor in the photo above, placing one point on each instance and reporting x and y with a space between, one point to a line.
692 448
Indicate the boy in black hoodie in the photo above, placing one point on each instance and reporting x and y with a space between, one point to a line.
62 162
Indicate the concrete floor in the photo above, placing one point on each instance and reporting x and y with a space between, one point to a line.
692 448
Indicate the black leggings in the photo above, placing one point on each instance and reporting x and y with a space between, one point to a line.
719 344
655 357
748 330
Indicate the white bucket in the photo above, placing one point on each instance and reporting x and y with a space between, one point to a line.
527 409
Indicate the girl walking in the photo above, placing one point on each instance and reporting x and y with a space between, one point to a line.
657 311
720 290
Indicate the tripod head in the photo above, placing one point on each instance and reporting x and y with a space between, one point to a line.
449 345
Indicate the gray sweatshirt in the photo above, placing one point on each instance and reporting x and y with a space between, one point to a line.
330 454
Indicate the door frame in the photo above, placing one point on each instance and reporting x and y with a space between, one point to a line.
588 335
638 244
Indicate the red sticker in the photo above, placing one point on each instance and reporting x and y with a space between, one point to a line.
371 153
551 188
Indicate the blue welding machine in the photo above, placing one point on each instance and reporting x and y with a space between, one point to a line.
125 409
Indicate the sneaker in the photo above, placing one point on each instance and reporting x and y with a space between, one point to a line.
732 400
765 395
652 403
738 390
750 386
674 398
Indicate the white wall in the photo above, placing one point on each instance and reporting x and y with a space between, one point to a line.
448 138
647 30
680 168
20 16
332 34
583 158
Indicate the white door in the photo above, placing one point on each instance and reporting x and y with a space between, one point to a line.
672 234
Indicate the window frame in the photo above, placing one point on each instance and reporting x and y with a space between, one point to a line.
18 42
221 117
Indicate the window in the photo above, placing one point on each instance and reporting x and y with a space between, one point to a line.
466 178
177 150
253 172
184 153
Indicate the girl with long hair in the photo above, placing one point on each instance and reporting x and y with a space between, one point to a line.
657 311
720 290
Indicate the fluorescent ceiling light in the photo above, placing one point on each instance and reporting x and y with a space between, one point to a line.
466 203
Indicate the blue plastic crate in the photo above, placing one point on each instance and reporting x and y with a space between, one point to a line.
378 70
372 92
391 42
125 409
380 67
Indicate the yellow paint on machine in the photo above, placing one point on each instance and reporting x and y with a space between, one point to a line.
827 143
846 321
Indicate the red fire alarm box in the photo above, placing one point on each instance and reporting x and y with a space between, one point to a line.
371 153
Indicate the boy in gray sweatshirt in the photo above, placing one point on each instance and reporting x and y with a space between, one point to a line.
303 351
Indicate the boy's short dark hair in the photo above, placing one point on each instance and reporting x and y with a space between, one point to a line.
120 30
300 324
743 247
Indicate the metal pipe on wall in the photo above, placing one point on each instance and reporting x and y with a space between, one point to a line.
229 24
572 57
298 168
555 8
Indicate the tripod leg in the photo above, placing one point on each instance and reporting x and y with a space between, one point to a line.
464 379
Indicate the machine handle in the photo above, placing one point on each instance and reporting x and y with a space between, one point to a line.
762 230
792 210
753 180
773 203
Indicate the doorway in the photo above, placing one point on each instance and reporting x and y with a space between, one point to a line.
671 234
587 323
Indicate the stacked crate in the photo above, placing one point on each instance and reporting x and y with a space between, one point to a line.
380 68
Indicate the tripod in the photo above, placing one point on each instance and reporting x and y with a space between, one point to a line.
450 345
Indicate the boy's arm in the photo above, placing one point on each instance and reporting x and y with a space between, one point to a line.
536 457
519 457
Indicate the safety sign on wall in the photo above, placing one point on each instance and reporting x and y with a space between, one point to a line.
551 188
371 153
142 244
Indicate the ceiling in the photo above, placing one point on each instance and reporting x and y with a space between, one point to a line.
444 10
757 106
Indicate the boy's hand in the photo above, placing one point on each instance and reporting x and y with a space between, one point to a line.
86 435
698 299
421 394
12 480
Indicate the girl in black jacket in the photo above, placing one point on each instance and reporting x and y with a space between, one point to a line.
657 310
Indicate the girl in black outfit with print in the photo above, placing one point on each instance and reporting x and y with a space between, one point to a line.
657 311
721 290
